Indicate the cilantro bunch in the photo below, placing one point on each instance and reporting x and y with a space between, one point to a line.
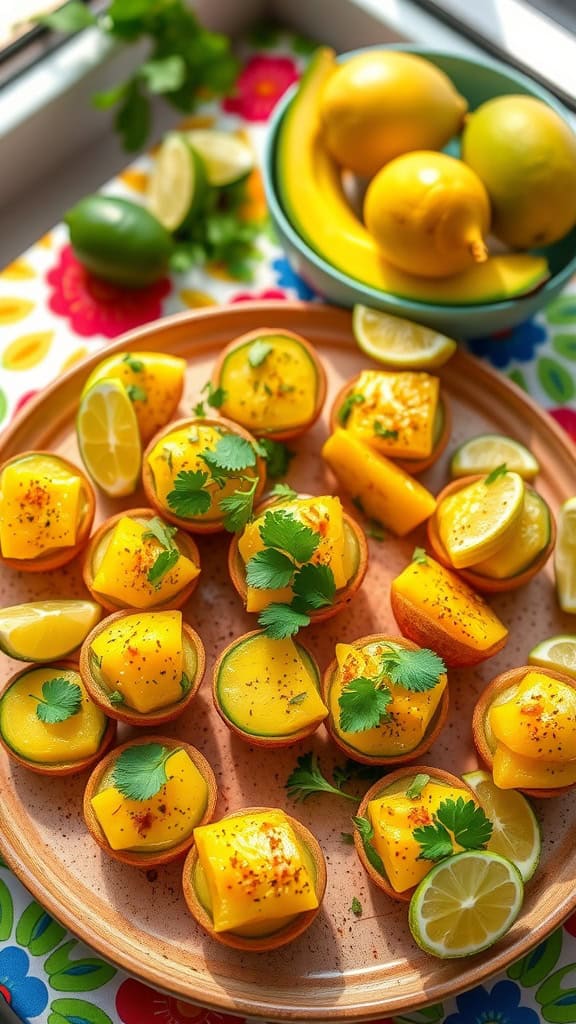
285 561
364 701
219 234
193 495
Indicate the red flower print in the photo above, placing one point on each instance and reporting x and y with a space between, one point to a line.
270 293
259 86
96 307
23 400
138 1004
570 925
567 419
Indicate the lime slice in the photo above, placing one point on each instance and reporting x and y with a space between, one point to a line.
485 452
465 903
475 522
558 652
516 832
565 556
177 183
109 438
227 158
399 343
46 630
530 539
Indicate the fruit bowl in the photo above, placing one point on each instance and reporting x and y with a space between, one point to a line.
477 81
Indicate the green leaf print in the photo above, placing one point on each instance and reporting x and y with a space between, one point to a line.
562 310
76 1011
83 975
518 377
537 965
556 381
3 411
558 1003
565 345
6 912
37 931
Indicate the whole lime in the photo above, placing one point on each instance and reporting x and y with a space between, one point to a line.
119 241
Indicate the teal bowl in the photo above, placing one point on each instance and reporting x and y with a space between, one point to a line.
477 81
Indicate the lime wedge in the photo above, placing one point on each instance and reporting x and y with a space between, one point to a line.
109 438
177 183
46 630
558 652
485 452
478 520
399 343
516 832
565 556
465 904
227 158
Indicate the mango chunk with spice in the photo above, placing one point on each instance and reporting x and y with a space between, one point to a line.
74 739
394 817
535 732
408 715
142 657
163 820
323 515
394 413
154 381
271 384
255 870
382 489
124 559
40 507
269 687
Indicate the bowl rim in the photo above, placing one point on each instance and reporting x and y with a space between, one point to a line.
555 280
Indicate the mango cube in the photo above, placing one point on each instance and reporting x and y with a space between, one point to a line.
39 508
141 656
397 412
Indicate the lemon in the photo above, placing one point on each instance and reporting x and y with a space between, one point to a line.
516 832
177 183
557 652
227 159
46 630
483 453
429 214
465 903
399 343
530 540
481 518
565 556
109 438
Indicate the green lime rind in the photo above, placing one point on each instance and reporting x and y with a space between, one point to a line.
226 158
499 449
178 183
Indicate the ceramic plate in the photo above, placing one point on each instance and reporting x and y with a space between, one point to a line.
344 967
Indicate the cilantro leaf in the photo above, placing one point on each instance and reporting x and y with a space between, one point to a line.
115 697
420 556
258 352
199 410
188 499
282 530
166 74
136 365
352 399
140 772
366 832
238 508
499 471
281 620
315 585
347 838
231 454
165 561
435 841
269 570
307 778
72 17
136 394
362 706
417 785
215 397
384 432
163 533
277 456
467 822
59 701
283 491
356 906
375 530
416 671
298 698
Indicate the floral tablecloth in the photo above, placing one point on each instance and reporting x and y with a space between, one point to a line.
52 313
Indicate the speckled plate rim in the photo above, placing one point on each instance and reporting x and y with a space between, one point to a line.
201 331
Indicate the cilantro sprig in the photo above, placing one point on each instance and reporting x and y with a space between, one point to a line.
140 772
459 822
285 562
193 493
168 557
60 700
365 830
214 397
496 474
352 398
276 455
306 779
364 701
